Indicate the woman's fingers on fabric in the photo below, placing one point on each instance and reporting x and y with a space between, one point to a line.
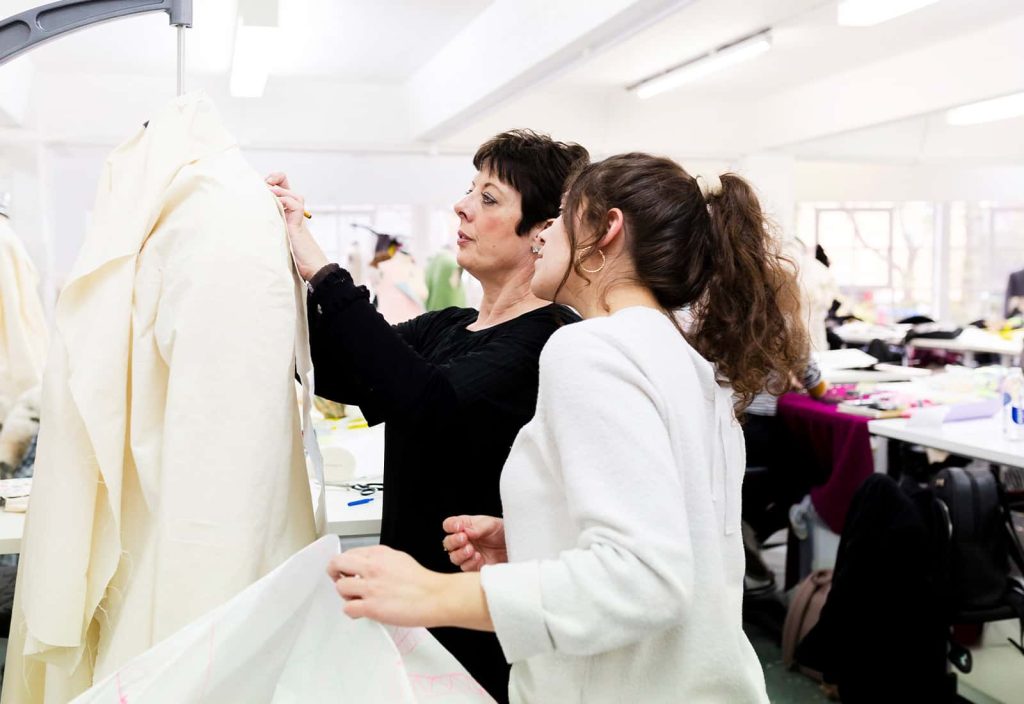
355 608
291 201
282 192
290 204
334 568
350 563
350 588
278 178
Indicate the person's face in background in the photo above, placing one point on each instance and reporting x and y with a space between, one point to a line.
488 246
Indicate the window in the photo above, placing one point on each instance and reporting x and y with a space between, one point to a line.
882 254
986 245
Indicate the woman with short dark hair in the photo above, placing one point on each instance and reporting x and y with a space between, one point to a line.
454 386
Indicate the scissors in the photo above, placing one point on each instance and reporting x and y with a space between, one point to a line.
368 489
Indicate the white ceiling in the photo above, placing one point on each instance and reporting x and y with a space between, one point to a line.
808 44
351 41
343 67
809 47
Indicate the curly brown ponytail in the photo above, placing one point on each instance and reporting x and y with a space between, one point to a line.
714 255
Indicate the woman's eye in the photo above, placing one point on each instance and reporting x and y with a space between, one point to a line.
468 191
488 200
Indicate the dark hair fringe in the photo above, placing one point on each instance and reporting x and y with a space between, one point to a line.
536 166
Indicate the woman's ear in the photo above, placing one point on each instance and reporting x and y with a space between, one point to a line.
614 222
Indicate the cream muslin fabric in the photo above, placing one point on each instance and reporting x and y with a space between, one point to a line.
23 336
286 640
170 472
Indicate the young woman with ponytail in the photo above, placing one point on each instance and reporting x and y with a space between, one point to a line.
617 572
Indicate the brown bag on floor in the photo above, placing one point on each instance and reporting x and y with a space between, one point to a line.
804 611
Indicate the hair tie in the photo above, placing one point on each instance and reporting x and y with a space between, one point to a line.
710 186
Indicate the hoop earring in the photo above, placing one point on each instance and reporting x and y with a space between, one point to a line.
604 260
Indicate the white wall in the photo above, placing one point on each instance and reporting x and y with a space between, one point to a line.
302 113
842 181
427 183
21 175
430 184
15 92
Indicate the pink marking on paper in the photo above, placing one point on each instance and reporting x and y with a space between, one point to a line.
407 639
209 660
122 698
439 685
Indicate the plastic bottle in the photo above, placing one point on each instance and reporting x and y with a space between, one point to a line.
1013 404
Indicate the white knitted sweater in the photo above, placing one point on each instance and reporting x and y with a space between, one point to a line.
622 517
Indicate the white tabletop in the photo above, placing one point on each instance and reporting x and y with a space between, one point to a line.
367 446
868 376
11 527
982 439
979 341
859 333
342 519
349 521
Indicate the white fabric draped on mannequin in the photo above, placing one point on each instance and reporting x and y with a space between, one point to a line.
170 472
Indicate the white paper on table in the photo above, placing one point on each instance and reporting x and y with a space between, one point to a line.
286 640
844 359
927 417
13 488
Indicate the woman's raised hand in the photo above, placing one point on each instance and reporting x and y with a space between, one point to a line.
308 255
475 541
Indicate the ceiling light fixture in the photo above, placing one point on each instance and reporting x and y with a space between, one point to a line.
865 13
694 69
987 110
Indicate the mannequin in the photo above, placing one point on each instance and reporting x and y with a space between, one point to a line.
23 333
444 282
818 289
170 472
401 291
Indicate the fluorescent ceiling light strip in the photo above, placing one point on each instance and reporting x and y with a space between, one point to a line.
250 65
698 68
865 13
987 110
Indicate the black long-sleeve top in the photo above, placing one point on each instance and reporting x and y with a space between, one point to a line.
453 400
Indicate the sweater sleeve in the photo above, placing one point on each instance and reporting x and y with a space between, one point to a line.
630 573
360 358
812 375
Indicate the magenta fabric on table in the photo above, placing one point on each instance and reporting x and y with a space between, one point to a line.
838 441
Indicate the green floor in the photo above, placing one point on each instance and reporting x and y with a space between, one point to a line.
784 687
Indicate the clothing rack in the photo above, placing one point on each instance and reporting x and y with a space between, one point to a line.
30 28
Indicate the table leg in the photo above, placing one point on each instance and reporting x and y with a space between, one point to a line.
880 453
